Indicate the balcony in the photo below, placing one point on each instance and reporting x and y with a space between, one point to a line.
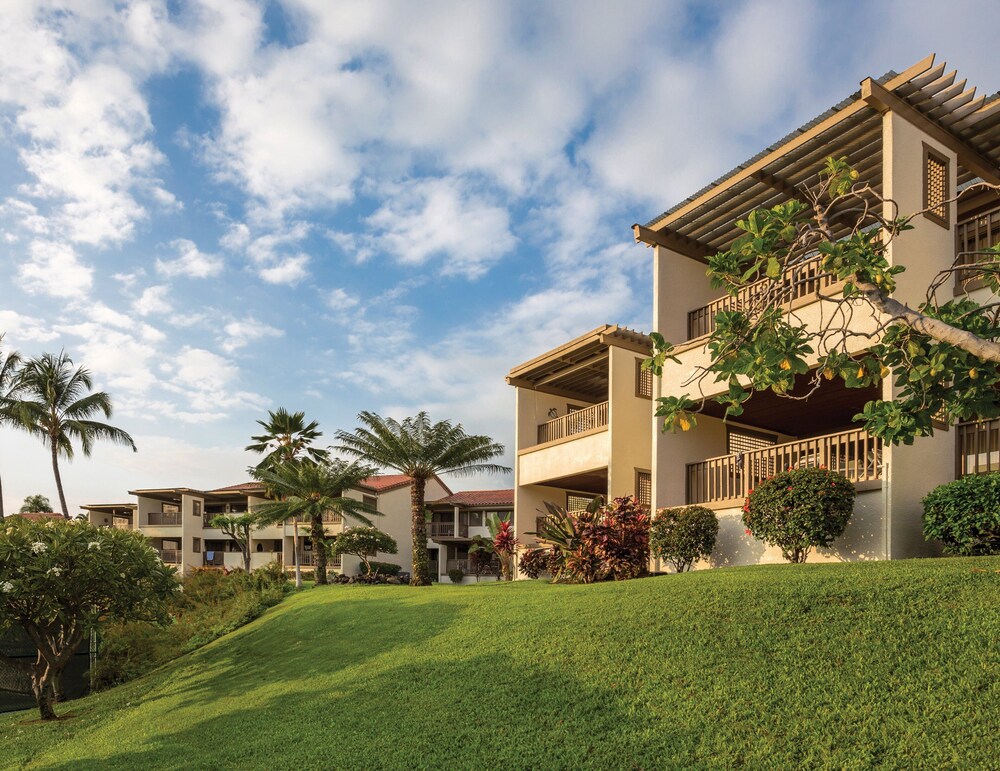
447 530
726 479
800 281
121 523
308 560
576 422
217 560
159 518
973 235
170 556
977 447
466 567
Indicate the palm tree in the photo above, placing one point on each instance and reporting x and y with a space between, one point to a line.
421 450
286 437
9 377
52 403
308 490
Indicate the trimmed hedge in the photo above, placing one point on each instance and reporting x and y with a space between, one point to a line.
965 515
683 535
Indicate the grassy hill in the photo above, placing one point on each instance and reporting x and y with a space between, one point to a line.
892 664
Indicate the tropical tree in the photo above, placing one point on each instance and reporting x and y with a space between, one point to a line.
58 580
363 542
237 528
421 450
286 437
35 503
943 355
52 402
309 490
10 364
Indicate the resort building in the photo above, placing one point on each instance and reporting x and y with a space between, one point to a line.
455 522
916 137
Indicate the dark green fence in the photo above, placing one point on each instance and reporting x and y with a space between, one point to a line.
15 685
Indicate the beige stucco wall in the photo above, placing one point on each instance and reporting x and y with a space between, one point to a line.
532 409
629 418
581 453
914 470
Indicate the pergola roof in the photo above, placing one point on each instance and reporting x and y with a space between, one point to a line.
579 368
924 95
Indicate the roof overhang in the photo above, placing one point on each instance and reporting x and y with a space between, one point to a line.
925 95
579 369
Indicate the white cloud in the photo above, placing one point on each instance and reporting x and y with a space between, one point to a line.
340 300
153 300
190 262
287 270
240 333
17 327
53 269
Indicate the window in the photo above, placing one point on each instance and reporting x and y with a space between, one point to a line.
741 440
643 381
936 187
170 508
196 508
475 519
370 501
644 487
575 502
196 546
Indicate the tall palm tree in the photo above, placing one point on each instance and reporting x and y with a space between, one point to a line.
52 402
286 437
9 377
307 490
421 450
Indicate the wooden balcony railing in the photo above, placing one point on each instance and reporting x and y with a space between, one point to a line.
309 560
575 422
975 234
853 453
977 447
217 560
158 518
447 530
330 518
801 280
170 556
467 568
121 523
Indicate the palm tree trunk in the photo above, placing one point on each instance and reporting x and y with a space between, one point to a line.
55 470
421 570
297 549
319 550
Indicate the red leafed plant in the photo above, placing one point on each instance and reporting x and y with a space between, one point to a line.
505 544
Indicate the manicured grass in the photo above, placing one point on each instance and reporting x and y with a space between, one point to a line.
842 666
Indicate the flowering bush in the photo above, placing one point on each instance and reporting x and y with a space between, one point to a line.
60 578
602 543
965 515
799 509
683 535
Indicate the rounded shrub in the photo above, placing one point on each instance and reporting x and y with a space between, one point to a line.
456 575
799 509
965 515
683 535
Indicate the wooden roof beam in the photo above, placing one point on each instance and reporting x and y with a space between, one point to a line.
883 100
673 241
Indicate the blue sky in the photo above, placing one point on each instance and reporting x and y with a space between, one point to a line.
222 207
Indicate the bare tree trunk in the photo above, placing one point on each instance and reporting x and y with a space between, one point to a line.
421 568
319 549
55 470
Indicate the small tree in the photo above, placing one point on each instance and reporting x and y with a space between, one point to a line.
965 515
799 509
683 535
238 529
481 556
363 542
59 579
35 503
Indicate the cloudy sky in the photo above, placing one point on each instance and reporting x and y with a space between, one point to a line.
221 207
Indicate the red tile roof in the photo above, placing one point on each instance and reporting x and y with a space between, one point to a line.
479 498
239 488
38 516
384 482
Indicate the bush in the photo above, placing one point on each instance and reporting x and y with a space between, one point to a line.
683 535
965 515
799 509
534 562
456 575
609 542
212 604
382 568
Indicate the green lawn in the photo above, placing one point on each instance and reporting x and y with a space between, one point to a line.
843 666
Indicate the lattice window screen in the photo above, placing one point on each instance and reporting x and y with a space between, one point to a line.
577 502
644 487
936 187
643 381
739 441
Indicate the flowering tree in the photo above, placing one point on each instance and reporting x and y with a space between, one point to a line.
59 579
363 542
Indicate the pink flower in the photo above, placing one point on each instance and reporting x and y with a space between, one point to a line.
747 531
